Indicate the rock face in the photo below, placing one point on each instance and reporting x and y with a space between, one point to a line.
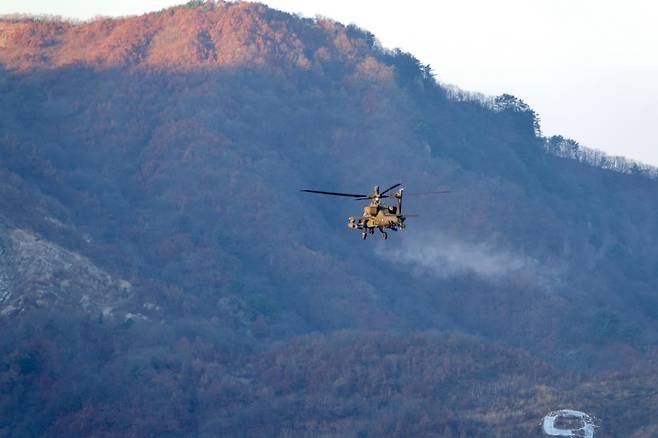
36 273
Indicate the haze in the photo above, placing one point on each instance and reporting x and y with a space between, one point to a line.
588 68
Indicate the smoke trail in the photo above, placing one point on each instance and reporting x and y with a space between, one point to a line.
444 257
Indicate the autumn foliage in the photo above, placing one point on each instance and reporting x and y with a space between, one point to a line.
167 150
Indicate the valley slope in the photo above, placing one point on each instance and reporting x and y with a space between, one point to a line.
164 264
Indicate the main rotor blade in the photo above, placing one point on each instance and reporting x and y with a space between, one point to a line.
349 195
438 192
390 188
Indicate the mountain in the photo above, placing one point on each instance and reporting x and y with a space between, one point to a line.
163 275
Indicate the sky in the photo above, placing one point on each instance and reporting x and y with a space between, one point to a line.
589 68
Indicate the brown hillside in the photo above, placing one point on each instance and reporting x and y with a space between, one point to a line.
229 35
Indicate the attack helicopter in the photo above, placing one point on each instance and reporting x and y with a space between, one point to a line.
377 215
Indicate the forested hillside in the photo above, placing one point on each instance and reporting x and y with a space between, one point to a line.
161 274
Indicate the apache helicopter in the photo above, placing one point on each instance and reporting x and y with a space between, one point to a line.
376 215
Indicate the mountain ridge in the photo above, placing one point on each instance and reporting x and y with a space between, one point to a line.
504 146
193 36
53 33
174 166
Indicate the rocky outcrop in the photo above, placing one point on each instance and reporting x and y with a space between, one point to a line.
37 273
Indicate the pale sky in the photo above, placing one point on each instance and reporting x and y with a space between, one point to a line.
588 67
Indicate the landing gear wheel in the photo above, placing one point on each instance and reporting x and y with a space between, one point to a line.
384 235
364 234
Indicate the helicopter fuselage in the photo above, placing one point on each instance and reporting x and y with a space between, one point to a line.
377 216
